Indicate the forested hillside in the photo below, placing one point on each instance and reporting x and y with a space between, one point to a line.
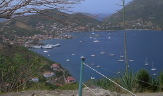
21 69
145 14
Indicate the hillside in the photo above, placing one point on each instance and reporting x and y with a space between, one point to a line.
22 69
46 24
53 19
140 14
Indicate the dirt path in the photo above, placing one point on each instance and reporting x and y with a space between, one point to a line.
86 92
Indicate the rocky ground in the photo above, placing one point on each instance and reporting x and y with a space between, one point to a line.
86 92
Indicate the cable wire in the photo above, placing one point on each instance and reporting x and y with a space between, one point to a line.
109 79
89 89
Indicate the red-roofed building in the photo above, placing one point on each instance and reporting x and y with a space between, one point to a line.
70 79
55 66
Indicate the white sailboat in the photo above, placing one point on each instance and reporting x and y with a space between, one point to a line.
153 69
102 52
121 55
98 66
68 60
92 77
93 55
90 37
73 54
96 41
111 54
118 72
45 51
131 60
121 59
109 37
146 63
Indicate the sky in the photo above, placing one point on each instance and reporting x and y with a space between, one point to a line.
99 6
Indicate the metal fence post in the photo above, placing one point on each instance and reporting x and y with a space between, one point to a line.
81 76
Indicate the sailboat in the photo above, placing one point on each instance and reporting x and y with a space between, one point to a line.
109 37
96 41
73 54
131 60
92 77
98 66
93 55
121 59
102 52
45 51
153 69
111 54
118 72
68 60
146 63
121 55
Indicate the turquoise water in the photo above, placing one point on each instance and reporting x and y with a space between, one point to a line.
140 45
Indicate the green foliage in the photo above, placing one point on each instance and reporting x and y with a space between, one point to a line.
154 83
106 84
40 86
60 18
52 86
59 73
144 78
161 80
17 66
11 31
70 87
145 10
128 81
138 82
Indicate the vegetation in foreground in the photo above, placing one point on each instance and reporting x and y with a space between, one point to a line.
18 66
138 82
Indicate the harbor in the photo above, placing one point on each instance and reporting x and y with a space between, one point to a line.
107 55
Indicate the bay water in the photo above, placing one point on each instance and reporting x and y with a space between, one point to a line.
142 46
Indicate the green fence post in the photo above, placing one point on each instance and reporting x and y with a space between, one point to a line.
81 76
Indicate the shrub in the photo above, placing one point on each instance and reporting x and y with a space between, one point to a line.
70 87
161 80
154 83
128 81
143 79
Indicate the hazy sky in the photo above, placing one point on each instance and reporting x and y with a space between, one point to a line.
99 6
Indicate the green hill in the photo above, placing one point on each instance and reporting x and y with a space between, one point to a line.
140 14
50 16
47 22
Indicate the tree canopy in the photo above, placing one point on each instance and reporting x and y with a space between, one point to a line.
13 8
